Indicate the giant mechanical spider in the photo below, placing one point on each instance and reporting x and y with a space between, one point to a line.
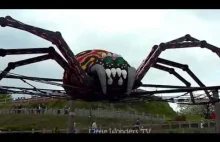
96 75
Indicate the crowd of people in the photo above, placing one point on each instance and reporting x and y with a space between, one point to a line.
39 109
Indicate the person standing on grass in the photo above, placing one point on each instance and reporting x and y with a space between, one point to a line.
201 124
15 109
19 108
137 123
43 108
76 130
56 130
94 127
66 110
213 116
38 109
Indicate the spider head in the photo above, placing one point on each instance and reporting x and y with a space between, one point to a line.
114 72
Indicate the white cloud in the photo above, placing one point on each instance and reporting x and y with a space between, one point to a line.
130 33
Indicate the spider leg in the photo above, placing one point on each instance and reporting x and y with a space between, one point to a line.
32 78
186 69
182 42
154 48
173 72
54 37
51 54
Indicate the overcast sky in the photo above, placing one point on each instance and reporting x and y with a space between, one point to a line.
131 33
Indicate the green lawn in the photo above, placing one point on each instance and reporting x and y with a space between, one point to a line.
38 122
27 122
192 117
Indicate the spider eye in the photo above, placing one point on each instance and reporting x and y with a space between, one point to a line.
120 61
108 60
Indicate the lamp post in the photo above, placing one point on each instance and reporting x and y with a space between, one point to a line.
71 117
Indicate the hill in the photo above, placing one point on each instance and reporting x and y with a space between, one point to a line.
38 122
160 108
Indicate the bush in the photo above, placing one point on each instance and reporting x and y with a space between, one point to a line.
180 118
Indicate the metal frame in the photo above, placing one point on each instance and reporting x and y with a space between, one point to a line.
137 95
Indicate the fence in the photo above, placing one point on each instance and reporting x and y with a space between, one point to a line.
102 113
86 112
27 100
170 127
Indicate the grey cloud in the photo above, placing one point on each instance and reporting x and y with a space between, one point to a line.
212 15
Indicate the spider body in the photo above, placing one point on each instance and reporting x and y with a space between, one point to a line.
115 68
98 74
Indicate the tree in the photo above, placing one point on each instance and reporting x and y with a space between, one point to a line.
5 97
202 110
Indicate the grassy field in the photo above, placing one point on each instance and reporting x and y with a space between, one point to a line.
26 122
146 107
38 122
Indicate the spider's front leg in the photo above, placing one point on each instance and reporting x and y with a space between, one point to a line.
57 39
183 42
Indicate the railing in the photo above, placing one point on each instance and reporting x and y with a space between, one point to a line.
28 100
102 113
188 127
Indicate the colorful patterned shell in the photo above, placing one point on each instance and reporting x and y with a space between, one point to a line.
105 58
